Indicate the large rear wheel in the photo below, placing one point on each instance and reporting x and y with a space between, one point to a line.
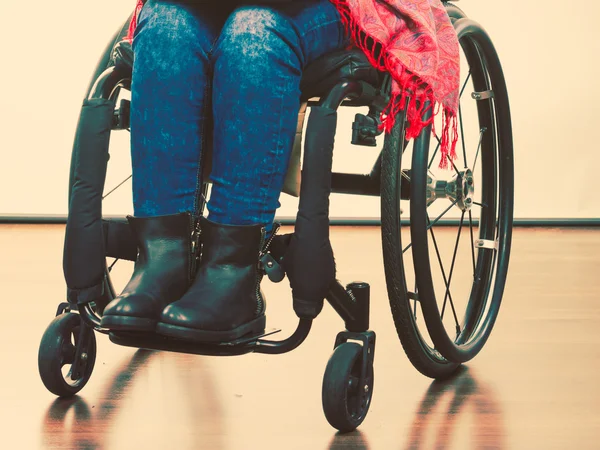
446 272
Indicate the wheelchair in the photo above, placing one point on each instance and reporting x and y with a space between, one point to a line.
440 325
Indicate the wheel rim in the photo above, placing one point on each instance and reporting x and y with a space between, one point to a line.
478 187
359 396
68 349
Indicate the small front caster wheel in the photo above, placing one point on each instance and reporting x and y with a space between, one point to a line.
346 400
56 357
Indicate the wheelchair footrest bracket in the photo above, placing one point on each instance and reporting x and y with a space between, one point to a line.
367 339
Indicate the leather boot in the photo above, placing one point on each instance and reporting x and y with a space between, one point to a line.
163 272
224 302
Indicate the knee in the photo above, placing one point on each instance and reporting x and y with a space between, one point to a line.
253 34
167 35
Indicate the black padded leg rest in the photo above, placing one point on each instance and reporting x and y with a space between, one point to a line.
86 295
84 254
309 262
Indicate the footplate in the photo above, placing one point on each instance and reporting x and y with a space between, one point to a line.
153 341
241 346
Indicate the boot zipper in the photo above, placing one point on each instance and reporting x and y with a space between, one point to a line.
259 299
195 246
263 249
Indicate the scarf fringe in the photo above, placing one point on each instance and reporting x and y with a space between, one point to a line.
134 20
408 90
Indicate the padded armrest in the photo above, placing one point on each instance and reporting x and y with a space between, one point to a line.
323 73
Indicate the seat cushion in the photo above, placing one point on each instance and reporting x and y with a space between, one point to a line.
325 72
318 77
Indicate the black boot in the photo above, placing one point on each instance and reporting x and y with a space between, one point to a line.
163 272
224 302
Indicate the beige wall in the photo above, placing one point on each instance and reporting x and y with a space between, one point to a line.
549 49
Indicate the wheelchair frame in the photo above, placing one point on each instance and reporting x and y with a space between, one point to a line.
351 302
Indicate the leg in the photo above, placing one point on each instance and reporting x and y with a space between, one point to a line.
256 108
258 63
170 104
170 93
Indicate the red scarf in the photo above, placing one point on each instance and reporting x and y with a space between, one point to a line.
415 42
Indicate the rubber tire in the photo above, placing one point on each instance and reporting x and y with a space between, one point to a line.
492 269
422 357
345 359
50 356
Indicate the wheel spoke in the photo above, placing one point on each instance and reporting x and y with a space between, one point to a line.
434 222
447 156
450 277
439 257
442 214
465 85
117 187
483 205
112 265
483 130
454 166
472 241
415 301
435 152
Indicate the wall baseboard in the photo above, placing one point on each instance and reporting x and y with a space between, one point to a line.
348 221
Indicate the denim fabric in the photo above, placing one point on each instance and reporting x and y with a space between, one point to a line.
231 70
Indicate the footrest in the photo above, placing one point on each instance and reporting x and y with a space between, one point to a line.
152 341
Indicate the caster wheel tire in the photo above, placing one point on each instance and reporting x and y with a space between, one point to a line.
57 355
345 403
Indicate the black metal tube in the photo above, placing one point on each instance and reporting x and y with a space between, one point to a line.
287 345
106 57
81 356
342 90
356 184
106 83
361 293
89 317
343 304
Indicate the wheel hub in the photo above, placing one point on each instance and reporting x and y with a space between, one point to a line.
461 189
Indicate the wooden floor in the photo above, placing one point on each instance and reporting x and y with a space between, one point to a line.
535 385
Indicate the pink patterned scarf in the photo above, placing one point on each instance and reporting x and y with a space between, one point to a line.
415 42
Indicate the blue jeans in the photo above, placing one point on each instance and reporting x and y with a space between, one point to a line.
233 72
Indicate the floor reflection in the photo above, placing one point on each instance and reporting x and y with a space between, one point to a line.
123 418
451 407
68 419
355 441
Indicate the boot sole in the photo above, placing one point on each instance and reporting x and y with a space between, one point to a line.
255 327
127 323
